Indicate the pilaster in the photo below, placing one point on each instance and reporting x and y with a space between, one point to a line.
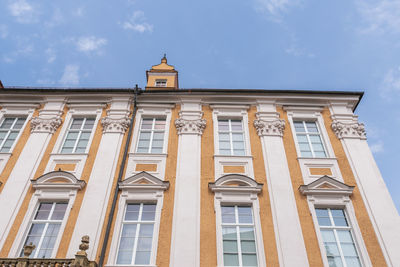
185 247
288 232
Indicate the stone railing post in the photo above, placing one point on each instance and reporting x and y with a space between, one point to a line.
81 259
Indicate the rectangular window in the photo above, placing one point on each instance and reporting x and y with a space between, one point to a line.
78 135
238 236
9 130
231 137
151 136
161 83
337 237
136 239
309 139
45 228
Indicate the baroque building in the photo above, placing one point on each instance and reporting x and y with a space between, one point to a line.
167 176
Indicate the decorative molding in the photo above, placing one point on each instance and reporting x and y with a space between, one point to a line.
112 125
45 125
353 129
326 186
58 180
269 128
143 181
235 183
184 126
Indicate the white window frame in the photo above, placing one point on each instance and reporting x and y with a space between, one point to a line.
160 80
230 133
23 110
78 111
151 111
335 195
139 188
311 114
152 131
307 134
244 195
80 131
48 191
236 112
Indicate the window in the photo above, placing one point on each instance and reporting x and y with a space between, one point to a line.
161 83
337 237
239 245
151 136
231 137
9 130
309 139
78 135
137 234
45 227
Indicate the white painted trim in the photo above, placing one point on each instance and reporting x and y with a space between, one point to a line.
43 195
136 195
338 201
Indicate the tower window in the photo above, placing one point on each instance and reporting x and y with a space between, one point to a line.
161 83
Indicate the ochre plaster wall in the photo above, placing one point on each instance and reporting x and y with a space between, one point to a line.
267 224
208 241
363 220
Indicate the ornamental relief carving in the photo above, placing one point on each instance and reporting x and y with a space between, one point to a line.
184 126
112 125
349 130
269 128
44 125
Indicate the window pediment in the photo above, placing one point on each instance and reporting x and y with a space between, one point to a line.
143 180
235 182
58 180
326 186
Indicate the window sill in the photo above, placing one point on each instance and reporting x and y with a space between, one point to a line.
69 154
308 158
232 156
117 265
149 155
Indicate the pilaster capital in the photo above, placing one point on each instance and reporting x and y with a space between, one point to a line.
185 126
269 127
351 129
115 125
45 125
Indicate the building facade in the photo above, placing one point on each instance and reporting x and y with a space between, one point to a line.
191 177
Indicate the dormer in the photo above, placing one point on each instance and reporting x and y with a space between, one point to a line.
162 77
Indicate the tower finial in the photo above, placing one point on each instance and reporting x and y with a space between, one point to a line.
164 59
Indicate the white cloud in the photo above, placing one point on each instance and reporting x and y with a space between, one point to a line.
3 31
90 43
137 22
56 19
380 16
51 55
377 147
23 50
70 75
23 11
391 83
274 9
79 12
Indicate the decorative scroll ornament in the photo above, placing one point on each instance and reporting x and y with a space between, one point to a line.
44 125
269 128
184 126
349 130
111 125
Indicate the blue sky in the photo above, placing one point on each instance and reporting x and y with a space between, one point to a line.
269 44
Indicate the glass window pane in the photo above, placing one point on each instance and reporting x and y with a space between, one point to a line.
238 145
89 124
76 123
124 257
353 262
224 145
224 137
7 123
331 249
160 124
82 144
348 249
129 230
147 123
85 136
12 136
324 221
59 211
142 257
20 122
328 236
335 262
302 138
311 126
247 233
306 154
146 230
248 246
322 212
249 259
228 214
145 136
230 246
316 139
229 233
236 125
344 236
340 221
338 213
320 154
225 151
157 144
144 244
66 150
223 125
72 136
299 127
238 152
127 243
231 260
43 211
304 147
